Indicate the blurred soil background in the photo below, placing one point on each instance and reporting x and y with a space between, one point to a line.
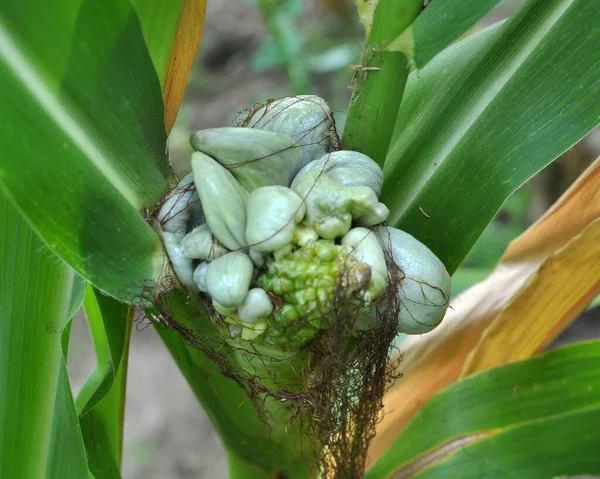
167 434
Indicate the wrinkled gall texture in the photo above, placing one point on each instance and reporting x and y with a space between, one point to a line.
332 208
306 119
306 280
283 236
348 168
288 227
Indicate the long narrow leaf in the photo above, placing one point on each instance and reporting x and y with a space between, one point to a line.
159 21
532 419
101 401
35 287
84 150
566 445
75 302
442 22
183 56
561 289
108 323
67 457
77 294
487 114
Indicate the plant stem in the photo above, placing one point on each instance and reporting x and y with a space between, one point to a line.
257 446
241 469
379 82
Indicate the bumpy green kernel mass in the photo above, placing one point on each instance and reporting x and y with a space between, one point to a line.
306 280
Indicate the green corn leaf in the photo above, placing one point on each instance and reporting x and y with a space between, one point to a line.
35 287
531 419
102 429
101 402
108 323
77 294
441 23
84 150
67 457
162 22
75 302
486 115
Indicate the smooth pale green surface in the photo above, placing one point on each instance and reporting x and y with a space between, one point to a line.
487 114
101 401
35 287
83 140
378 94
259 450
159 21
254 157
441 23
545 413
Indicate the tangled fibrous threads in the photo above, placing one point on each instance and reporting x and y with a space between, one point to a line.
282 236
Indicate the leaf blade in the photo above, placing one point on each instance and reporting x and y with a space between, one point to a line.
101 402
67 456
475 117
507 406
86 129
441 23
541 307
34 291
378 89
159 24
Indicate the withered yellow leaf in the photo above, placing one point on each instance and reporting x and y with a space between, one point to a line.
558 291
183 56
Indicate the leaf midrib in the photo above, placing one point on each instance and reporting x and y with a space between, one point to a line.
501 75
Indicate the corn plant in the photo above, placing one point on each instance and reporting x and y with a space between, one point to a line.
282 272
